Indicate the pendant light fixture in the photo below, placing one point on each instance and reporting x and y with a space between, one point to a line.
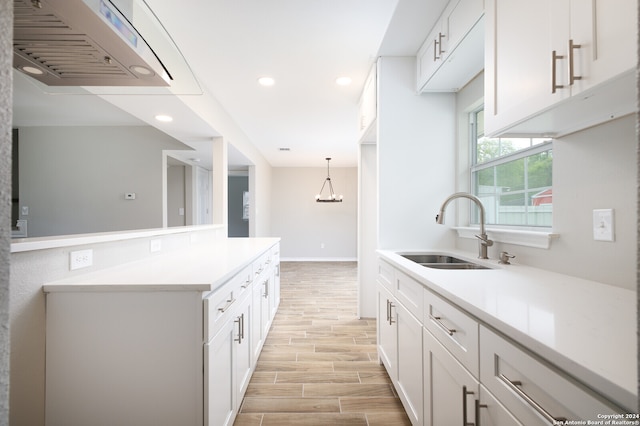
332 197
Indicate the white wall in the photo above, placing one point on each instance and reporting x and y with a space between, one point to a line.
416 147
73 179
367 231
592 169
303 224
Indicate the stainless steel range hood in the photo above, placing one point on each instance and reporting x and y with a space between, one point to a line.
82 43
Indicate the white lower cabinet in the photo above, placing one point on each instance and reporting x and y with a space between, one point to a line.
449 368
387 332
228 367
409 382
154 357
219 387
450 391
490 412
534 392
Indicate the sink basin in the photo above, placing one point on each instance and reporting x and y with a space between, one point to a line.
442 261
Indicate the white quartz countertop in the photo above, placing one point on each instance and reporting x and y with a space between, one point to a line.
586 328
202 267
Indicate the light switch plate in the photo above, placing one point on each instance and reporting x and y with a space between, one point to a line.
603 225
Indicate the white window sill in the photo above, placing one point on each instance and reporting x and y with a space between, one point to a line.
538 239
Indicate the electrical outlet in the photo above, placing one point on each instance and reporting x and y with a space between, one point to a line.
80 259
321 245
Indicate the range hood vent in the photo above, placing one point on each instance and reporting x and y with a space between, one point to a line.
82 43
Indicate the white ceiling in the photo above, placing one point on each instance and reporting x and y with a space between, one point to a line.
304 44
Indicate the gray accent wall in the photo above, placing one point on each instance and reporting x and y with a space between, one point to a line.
238 227
74 179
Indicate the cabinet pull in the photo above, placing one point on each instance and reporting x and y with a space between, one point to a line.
514 386
465 393
554 60
478 407
229 303
440 51
439 323
435 52
388 312
572 76
246 283
266 289
391 306
240 321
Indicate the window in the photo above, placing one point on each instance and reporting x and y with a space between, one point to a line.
512 177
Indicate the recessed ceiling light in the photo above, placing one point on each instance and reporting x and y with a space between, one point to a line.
284 149
141 70
164 118
266 81
32 70
343 81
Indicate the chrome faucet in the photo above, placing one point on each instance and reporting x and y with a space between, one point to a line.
484 241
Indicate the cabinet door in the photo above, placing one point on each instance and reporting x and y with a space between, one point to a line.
409 384
460 16
265 309
242 351
219 388
605 30
256 339
387 335
429 57
520 71
492 413
368 108
449 390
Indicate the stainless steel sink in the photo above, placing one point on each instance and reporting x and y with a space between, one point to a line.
441 261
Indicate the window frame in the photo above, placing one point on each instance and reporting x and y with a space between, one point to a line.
474 168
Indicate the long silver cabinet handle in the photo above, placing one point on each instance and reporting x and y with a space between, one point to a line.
478 407
465 393
238 321
514 386
439 323
391 306
225 307
572 76
554 60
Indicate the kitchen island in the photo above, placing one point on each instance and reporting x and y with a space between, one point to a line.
518 333
169 339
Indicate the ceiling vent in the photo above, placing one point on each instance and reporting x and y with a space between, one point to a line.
82 43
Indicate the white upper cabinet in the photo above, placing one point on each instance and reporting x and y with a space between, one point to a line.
368 108
540 55
453 53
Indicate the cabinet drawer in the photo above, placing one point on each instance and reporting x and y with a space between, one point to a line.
219 305
261 264
454 329
409 292
534 392
386 275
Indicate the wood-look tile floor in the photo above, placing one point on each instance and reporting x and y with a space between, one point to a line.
319 365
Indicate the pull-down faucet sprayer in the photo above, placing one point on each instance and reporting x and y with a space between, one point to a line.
484 241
